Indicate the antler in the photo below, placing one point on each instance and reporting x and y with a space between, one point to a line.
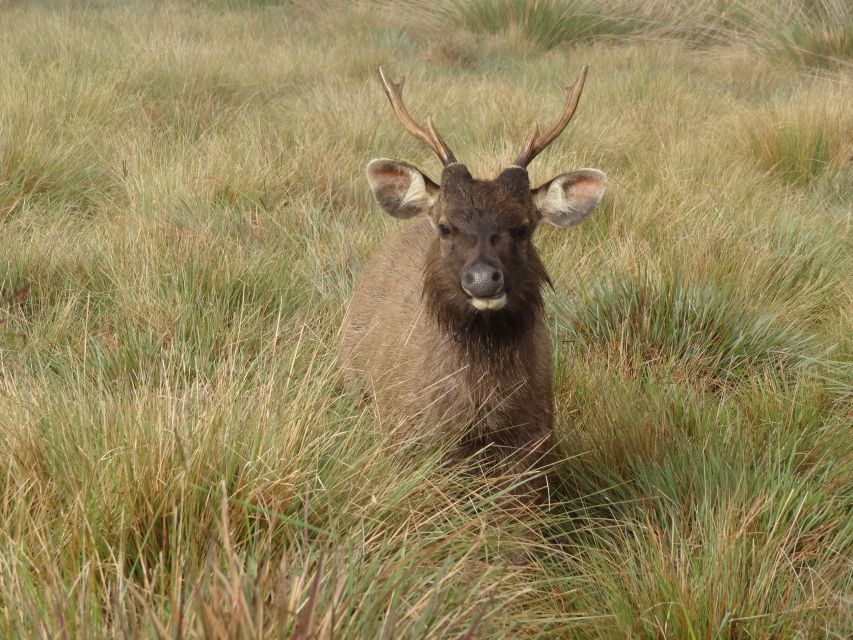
534 145
429 136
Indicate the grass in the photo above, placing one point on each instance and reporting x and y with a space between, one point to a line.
183 216
812 33
804 144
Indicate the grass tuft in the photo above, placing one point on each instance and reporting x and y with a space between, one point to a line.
547 23
702 329
801 143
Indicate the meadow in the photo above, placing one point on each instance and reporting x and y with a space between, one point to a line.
184 215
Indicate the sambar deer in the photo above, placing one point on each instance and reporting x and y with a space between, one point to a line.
446 326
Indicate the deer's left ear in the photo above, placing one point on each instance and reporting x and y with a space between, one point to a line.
569 198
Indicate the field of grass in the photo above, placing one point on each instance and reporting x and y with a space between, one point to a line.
183 216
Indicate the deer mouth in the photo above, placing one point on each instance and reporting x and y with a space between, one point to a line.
489 304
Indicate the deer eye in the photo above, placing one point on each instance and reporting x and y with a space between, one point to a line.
519 233
444 230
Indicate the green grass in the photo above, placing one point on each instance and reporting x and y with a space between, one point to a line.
813 33
803 144
183 216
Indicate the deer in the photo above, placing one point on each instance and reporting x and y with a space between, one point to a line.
446 327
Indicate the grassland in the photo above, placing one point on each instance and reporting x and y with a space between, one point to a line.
183 216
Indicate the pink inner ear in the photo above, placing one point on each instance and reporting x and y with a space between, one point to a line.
393 177
583 188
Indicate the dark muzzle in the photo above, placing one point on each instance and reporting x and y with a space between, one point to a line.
482 280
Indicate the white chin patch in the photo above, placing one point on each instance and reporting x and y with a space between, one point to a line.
489 304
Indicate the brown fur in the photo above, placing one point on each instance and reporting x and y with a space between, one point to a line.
429 356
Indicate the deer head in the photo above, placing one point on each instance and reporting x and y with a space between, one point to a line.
482 268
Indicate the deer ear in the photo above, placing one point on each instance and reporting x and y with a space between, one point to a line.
569 198
401 188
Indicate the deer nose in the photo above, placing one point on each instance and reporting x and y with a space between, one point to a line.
481 280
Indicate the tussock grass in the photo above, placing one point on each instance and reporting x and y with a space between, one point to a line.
804 142
183 215
703 329
814 33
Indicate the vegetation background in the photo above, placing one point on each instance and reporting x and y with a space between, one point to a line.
183 216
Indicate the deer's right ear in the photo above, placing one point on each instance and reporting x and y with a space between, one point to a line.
401 188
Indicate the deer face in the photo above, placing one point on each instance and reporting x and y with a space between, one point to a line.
483 230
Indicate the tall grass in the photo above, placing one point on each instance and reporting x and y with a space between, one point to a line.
814 33
802 144
183 216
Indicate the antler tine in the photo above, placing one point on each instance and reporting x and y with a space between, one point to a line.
533 146
429 136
